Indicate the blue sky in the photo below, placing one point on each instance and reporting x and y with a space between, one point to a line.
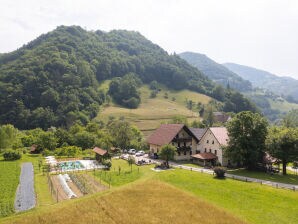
258 33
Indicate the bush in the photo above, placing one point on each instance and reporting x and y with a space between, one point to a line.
10 155
219 171
107 163
47 152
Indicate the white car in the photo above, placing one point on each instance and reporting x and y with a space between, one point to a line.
140 153
132 151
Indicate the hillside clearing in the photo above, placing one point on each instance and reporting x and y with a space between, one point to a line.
142 202
153 111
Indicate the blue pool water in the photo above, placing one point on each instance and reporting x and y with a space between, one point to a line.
71 165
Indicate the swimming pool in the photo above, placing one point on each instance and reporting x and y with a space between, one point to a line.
70 165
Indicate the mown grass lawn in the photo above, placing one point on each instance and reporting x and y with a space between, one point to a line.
290 178
114 178
250 201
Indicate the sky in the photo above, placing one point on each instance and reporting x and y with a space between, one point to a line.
257 33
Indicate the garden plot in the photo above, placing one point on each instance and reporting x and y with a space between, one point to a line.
74 185
25 197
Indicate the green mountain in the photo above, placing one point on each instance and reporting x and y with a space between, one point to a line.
53 80
284 86
216 72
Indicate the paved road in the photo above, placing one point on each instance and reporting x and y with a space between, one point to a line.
237 177
25 198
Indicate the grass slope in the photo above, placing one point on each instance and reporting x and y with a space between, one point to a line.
252 202
143 202
282 106
152 112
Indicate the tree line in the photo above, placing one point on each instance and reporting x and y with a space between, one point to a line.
73 141
250 137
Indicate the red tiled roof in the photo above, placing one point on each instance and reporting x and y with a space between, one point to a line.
221 134
198 132
164 134
100 151
204 156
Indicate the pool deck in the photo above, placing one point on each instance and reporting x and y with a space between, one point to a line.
88 165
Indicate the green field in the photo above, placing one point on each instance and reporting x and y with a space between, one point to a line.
282 106
9 180
288 179
152 112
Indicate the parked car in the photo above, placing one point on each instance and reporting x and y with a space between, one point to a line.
140 153
132 151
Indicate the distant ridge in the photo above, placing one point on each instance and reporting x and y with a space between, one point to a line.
284 86
216 72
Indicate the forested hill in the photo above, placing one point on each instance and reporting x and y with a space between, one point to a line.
53 80
284 86
216 72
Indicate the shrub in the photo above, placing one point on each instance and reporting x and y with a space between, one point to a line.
107 163
10 155
219 171
47 152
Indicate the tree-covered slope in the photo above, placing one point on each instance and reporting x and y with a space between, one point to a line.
53 80
284 86
216 72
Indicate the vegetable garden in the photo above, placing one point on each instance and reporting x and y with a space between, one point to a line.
9 180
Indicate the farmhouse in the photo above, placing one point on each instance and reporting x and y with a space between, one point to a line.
179 135
210 147
202 146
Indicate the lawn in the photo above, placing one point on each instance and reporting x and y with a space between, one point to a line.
252 202
114 178
9 180
142 202
290 178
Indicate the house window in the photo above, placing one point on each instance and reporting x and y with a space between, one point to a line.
198 151
184 143
209 150
178 144
207 141
215 152
184 153
190 152
179 153
213 142
205 150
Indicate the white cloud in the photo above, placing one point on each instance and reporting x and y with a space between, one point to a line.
259 33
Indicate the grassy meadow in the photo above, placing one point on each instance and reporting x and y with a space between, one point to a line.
142 202
152 112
